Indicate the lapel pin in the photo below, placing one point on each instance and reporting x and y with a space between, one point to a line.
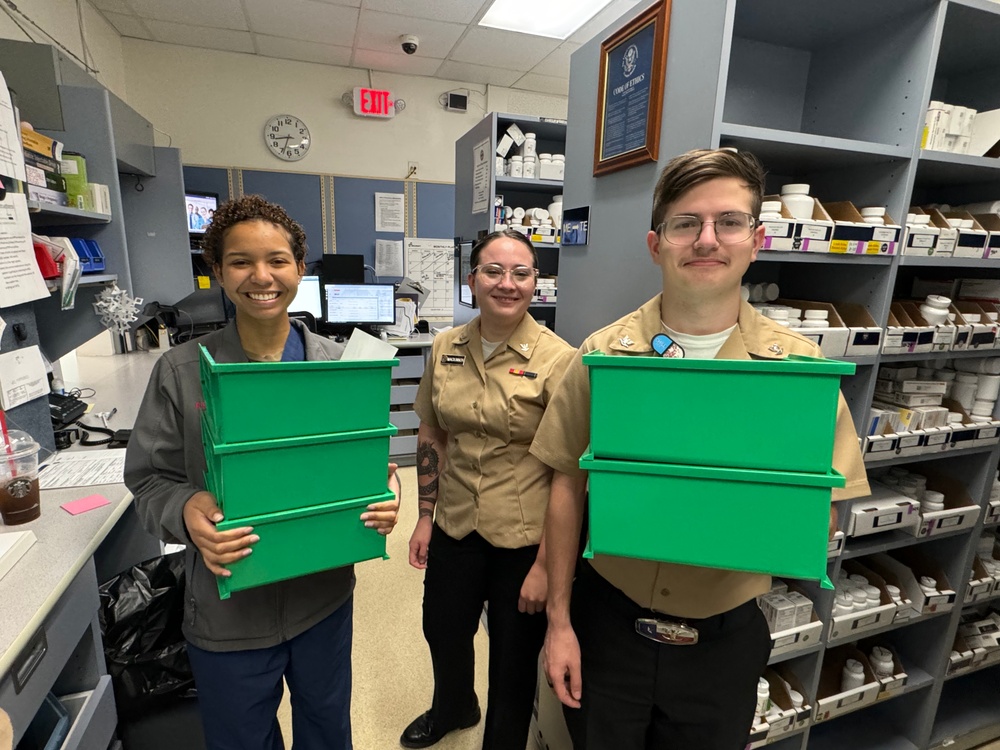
775 348
625 341
524 347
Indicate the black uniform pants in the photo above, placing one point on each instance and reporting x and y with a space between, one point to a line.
462 575
639 694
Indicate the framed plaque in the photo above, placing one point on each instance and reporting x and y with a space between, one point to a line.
630 93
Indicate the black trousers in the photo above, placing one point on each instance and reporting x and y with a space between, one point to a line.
462 575
642 695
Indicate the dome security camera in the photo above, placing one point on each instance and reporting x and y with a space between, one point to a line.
409 43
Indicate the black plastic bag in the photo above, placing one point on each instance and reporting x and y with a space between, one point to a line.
141 614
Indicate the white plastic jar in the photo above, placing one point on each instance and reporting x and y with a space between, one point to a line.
881 661
517 166
528 148
797 200
853 675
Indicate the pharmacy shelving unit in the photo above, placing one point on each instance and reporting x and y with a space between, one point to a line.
830 94
144 238
516 191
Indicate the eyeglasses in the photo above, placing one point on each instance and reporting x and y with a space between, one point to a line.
730 227
493 273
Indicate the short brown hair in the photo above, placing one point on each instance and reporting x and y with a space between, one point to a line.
511 234
249 208
701 165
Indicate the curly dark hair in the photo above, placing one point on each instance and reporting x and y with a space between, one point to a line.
249 208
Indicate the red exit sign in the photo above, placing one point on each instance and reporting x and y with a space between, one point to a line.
373 102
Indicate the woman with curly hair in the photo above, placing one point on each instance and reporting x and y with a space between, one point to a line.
298 630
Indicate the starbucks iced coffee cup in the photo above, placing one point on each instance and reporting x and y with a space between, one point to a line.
19 498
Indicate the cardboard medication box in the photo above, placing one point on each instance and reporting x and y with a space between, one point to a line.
924 333
799 235
893 684
831 700
908 565
864 334
883 510
960 511
991 223
853 235
832 341
971 243
923 240
851 625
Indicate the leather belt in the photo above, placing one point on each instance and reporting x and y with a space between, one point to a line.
664 631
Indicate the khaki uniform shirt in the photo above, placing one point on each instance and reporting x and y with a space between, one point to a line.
680 590
490 483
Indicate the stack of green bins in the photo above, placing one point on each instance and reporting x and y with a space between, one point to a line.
297 450
718 463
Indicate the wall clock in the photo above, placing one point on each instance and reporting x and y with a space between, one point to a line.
287 137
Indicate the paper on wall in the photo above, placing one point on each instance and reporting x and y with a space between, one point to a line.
388 257
22 377
20 278
481 157
11 153
389 215
432 263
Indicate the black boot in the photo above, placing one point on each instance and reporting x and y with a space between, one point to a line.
423 732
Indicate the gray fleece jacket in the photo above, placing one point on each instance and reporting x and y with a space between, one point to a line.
165 466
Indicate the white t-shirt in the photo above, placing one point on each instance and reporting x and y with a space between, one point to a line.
699 347
489 347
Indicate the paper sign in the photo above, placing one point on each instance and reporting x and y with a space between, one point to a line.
389 213
82 469
22 377
76 507
481 155
388 258
11 155
432 263
20 279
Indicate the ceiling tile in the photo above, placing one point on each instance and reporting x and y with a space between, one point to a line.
381 31
456 71
457 11
545 84
557 63
504 49
396 62
293 49
112 6
219 14
605 18
127 25
200 36
304 19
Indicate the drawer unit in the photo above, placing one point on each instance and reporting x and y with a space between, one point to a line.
40 662
93 717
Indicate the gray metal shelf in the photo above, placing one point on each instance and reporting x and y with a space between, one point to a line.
48 214
946 262
790 152
943 168
930 456
889 540
887 628
780 256
796 653
966 354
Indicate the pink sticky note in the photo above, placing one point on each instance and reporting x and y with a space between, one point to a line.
76 507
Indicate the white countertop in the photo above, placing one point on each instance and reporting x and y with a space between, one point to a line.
36 582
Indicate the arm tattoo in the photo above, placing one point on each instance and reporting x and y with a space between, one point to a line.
427 459
427 466
426 513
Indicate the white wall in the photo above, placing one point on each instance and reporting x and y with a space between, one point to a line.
62 19
214 104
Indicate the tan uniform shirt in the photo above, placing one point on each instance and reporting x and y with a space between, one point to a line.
680 590
490 483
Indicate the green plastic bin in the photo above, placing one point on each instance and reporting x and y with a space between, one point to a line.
773 415
247 401
267 476
299 542
737 519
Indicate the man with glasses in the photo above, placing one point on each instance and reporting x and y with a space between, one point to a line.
692 683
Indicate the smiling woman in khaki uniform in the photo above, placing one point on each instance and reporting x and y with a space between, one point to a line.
483 498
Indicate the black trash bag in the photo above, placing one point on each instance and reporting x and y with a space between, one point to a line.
141 613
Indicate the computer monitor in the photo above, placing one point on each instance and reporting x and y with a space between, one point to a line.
200 209
360 304
343 268
309 298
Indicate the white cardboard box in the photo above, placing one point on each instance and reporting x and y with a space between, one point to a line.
852 235
991 223
884 510
991 514
833 340
880 446
960 511
796 638
831 701
864 334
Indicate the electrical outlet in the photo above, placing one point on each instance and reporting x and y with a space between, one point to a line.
411 167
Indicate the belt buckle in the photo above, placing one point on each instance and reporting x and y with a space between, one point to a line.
674 633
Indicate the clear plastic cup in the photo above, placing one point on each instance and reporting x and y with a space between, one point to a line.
19 493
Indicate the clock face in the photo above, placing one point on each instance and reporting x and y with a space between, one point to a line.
287 137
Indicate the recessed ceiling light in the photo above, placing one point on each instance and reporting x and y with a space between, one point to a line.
556 19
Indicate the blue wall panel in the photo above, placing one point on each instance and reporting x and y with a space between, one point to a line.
207 180
300 195
354 203
435 210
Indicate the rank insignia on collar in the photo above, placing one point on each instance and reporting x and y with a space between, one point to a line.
625 341
776 349
523 347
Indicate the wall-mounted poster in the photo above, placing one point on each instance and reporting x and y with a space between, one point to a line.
630 94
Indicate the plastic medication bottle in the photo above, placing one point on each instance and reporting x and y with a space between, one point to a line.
763 697
853 675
